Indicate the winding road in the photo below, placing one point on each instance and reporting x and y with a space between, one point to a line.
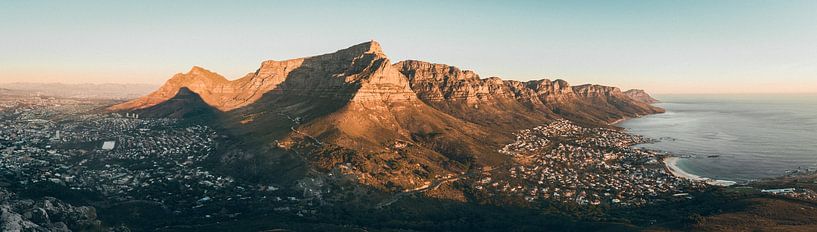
434 185
295 123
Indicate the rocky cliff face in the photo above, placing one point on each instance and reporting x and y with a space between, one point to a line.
640 95
494 101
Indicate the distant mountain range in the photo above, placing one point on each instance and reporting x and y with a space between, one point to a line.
104 91
344 106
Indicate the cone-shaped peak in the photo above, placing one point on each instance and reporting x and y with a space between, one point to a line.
199 70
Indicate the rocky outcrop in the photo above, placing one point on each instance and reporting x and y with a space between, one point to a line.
640 95
46 214
596 90
439 82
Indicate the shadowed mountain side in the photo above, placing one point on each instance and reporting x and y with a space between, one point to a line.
184 104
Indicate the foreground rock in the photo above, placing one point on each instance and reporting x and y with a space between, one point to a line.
45 214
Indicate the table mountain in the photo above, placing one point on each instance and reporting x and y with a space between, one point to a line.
391 126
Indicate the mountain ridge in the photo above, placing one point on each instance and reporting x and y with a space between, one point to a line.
465 94
243 91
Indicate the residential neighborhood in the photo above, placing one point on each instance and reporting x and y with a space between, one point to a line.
565 162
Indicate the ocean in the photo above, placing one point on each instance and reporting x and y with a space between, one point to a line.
734 137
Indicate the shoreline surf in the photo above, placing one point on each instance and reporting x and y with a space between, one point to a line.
671 163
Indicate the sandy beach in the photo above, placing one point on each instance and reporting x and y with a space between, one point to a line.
620 120
672 166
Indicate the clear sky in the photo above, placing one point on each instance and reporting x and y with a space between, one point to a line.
705 46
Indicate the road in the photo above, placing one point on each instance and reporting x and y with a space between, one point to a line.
295 123
434 185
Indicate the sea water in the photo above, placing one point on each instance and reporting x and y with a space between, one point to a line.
735 137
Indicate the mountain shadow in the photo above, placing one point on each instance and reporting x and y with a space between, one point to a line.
185 104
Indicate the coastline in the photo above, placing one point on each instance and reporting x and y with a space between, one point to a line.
617 121
671 163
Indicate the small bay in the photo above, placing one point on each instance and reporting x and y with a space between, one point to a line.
735 137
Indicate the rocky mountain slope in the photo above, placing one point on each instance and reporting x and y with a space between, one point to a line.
391 126
640 95
505 103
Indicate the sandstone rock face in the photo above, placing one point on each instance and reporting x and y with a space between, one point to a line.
439 82
494 101
640 95
596 90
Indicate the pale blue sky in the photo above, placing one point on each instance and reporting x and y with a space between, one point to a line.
690 46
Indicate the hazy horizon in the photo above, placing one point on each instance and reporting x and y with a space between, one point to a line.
696 47
658 95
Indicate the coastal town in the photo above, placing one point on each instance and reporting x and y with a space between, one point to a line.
56 147
565 162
